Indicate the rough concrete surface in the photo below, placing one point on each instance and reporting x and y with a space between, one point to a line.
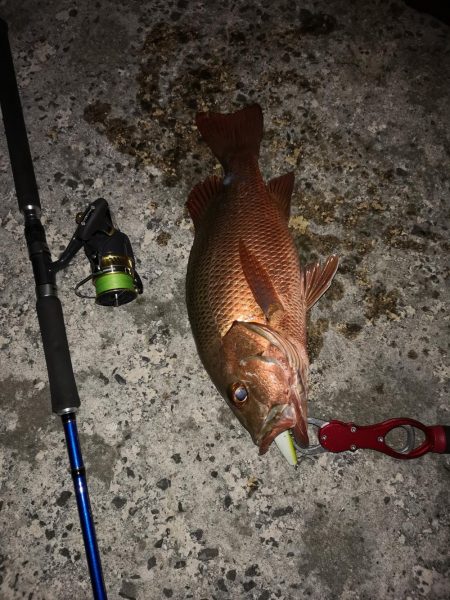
356 102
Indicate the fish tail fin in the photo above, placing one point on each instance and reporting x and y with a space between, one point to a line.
234 134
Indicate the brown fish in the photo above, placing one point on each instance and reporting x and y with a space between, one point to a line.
247 295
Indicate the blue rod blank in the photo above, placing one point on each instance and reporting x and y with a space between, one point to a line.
84 506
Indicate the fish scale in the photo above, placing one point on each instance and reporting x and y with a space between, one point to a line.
218 292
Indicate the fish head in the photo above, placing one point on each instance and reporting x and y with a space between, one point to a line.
265 383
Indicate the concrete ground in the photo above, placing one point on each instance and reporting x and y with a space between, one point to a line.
356 102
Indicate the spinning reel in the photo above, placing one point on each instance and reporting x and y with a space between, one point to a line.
109 253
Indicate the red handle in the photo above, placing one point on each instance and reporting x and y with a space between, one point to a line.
337 436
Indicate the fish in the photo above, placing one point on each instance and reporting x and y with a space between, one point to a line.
247 294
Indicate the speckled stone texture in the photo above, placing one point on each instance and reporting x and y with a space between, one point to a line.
356 102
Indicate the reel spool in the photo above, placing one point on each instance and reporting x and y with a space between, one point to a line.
116 281
115 285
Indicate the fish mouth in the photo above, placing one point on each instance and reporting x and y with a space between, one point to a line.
280 418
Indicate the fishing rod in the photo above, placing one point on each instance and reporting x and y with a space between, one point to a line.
113 274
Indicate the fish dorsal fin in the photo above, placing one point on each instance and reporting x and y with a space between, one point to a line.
281 188
260 283
317 279
201 196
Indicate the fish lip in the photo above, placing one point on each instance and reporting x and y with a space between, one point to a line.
280 418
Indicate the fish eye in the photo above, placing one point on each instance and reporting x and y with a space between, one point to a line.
238 393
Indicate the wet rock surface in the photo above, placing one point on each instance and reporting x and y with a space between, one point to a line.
355 99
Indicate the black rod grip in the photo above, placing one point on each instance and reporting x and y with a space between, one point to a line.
16 133
63 389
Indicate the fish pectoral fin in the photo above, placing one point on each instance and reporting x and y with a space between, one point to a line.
260 284
317 279
281 190
201 197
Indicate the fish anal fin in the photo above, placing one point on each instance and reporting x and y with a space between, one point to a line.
281 189
317 279
260 284
201 197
